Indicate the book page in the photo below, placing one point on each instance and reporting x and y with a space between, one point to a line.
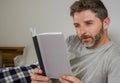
54 54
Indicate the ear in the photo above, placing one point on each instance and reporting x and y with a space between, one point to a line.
106 22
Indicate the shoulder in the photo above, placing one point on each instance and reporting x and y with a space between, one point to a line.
115 49
114 56
112 52
74 46
114 62
72 40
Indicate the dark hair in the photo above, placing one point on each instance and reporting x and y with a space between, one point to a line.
95 6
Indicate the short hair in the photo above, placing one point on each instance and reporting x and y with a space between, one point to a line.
95 6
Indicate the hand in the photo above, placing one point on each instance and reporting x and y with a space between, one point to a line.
70 79
38 78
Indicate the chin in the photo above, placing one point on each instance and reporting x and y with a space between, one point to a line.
89 45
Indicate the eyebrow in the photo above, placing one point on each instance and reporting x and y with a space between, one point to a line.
89 21
84 21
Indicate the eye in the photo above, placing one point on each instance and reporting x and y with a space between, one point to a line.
89 23
76 25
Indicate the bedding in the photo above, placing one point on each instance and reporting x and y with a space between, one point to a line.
20 74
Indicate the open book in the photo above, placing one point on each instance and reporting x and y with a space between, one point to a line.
52 54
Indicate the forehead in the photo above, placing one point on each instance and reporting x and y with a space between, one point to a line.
84 15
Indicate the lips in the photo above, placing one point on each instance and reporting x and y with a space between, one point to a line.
86 39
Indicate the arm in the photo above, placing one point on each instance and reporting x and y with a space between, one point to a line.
20 74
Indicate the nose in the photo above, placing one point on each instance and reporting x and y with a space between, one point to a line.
83 30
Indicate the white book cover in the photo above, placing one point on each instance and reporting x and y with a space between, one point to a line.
54 54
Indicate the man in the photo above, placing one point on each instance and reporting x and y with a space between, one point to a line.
94 57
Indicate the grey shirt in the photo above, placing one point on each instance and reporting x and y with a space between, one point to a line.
100 65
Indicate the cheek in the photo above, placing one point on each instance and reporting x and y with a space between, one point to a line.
92 33
94 30
78 31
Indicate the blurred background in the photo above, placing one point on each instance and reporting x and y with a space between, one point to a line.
17 16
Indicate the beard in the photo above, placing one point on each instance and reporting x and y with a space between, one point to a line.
90 41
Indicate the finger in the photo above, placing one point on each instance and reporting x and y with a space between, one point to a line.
41 78
72 79
68 78
37 71
39 82
64 81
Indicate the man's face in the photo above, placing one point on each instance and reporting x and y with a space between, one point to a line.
88 27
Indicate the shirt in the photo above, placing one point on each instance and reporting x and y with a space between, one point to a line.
99 65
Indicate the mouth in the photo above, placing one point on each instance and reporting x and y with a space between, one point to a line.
86 40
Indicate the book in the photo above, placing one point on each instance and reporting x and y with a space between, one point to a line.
52 56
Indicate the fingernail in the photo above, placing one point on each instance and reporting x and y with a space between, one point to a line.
64 76
46 78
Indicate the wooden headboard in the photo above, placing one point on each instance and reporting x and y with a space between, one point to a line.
8 54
